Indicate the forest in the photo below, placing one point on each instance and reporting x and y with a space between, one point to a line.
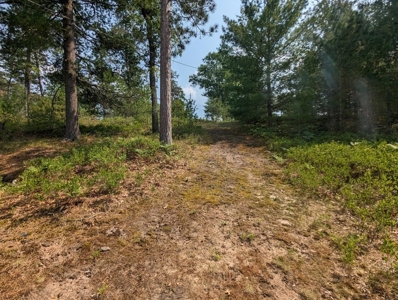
329 67
62 59
278 63
112 187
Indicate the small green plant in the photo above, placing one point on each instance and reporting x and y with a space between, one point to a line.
139 179
95 254
350 246
102 289
389 246
247 237
72 187
216 256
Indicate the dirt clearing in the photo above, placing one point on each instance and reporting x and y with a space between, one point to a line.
217 223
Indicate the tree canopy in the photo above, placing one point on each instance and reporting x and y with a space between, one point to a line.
332 65
101 56
278 61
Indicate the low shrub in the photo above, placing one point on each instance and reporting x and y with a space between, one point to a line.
363 175
92 168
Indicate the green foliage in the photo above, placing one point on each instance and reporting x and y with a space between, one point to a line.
361 174
111 127
248 71
45 115
186 131
92 168
216 110
350 246
183 109
286 135
247 237
389 246
11 108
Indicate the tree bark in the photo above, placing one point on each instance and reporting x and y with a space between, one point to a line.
165 74
152 70
269 94
69 70
27 81
40 82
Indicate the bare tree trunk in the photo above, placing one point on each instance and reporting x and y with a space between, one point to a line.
154 97
152 70
269 94
27 81
39 75
9 88
69 69
165 74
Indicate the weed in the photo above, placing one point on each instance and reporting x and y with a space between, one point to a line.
350 246
389 246
282 263
247 237
216 256
320 223
95 254
139 179
102 289
138 238
250 289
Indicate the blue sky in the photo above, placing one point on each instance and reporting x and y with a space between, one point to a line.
200 47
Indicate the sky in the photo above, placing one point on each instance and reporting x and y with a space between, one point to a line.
199 48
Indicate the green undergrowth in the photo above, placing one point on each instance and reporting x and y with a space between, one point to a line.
187 131
362 176
281 140
112 126
87 169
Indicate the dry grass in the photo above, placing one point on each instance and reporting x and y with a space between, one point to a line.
215 221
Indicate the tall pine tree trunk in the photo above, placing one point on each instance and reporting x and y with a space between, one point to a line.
27 81
69 69
165 74
40 82
152 69
269 94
